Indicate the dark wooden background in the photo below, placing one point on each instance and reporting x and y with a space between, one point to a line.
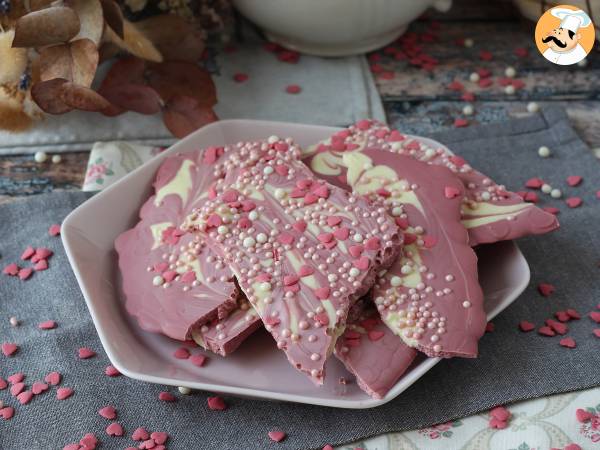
417 101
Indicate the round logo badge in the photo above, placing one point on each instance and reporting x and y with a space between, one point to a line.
565 35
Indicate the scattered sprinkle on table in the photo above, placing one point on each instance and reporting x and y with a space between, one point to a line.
47 325
85 353
54 229
64 393
568 342
533 107
240 77
293 89
108 412
115 429
111 371
40 157
198 360
56 159
53 378
216 403
526 326
9 348
460 123
166 397
574 180
574 202
544 151
181 353
277 436
546 289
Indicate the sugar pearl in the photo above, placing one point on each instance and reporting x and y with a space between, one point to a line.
555 193
396 281
544 151
315 357
468 110
253 215
272 139
184 390
533 107
40 157
249 242
14 321
509 90
280 193
357 237
158 280
469 42
354 272
261 238
222 229
546 188
510 72
474 77
56 159
466 304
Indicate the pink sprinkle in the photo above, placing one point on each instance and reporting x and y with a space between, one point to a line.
456 86
562 316
293 89
486 55
25 273
159 437
572 447
583 416
42 264
3 384
240 77
332 221
285 238
468 97
546 289
198 360
216 403
551 210
546 331
9 348
25 397
16 378
596 332
310 198
53 378
89 440
595 316
325 237
230 196
573 314
375 335
166 397
534 183
289 280
54 230
148 444
460 123
356 250
42 253
39 387
47 325
341 233
305 271
498 424
574 180
361 263
299 226
17 388
500 413
27 253
451 192
598 194
63 393
11 269
277 436
7 412
140 434
114 429
328 447
85 353
557 327
188 277
574 202
112 371
108 412
181 353
322 293
568 342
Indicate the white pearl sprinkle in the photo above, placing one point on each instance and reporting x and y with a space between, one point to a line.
272 139
265 287
469 42
533 107
268 170
468 110
280 193
544 151
184 390
222 229
396 281
158 280
315 357
485 196
56 159
261 238
546 188
354 272
40 157
406 269
509 90
253 215
357 237
510 72
474 77
14 321
466 304
249 242
396 211
555 193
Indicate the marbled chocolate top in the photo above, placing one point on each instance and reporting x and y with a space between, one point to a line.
489 211
301 249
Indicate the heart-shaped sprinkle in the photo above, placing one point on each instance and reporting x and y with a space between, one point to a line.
310 198
53 378
568 342
595 316
27 253
299 226
573 314
500 413
169 275
332 221
498 424
322 191
305 271
85 353
17 388
7 412
166 397
297 193
546 289
181 353
355 250
161 267
277 436
574 202
429 241
108 412
42 264
63 393
140 434
583 416
9 348
159 437
289 280
198 360
89 440
43 253
534 183
25 397
546 331
188 277
282 170
230 195
147 444
214 220
271 321
562 316
16 378
402 223
322 293
3 384
24 274
451 192
574 180
285 238
248 205
112 371
361 263
375 335
325 237
341 233
54 230
409 238
12 269
114 429
244 223
383 192
304 183
557 327
216 404
47 325
373 243
322 318
596 332
73 446
39 387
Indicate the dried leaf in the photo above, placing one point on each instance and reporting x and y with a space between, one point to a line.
49 26
113 16
81 97
183 115
174 37
46 95
176 78
107 51
91 18
125 70
76 61
134 42
133 97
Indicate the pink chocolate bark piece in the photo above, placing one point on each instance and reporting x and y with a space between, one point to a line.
489 211
302 250
373 353
172 281
430 296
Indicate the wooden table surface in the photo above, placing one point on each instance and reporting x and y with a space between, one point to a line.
419 101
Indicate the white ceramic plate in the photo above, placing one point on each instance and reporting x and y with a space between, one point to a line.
257 368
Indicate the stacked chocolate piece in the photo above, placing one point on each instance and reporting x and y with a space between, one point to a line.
359 246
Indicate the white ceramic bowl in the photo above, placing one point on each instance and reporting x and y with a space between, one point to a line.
335 27
257 368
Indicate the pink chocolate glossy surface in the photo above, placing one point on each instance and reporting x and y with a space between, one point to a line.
430 296
301 249
489 211
373 353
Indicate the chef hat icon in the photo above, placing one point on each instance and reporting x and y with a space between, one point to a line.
571 19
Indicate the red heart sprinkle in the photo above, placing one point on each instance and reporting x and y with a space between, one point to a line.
322 191
451 192
148 444
89 440
54 230
47 325
341 233
334 220
328 447
534 183
574 202
373 243
574 180
27 253
572 447
166 397
489 327
3 384
216 404
325 237
500 413
53 378
140 434
17 388
63 393
198 360
112 371
583 415
322 293
181 353
16 378
9 348
546 289
558 327
114 429
43 253
305 271
25 397
108 412
277 436
361 263
289 280
39 387
568 342
7 412
460 123
85 353
11 269
595 316
299 226
24 274
159 437
498 424
240 77
573 314
42 264
562 316
355 250
546 331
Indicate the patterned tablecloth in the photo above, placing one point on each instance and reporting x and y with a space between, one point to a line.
538 424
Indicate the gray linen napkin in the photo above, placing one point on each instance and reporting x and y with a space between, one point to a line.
512 365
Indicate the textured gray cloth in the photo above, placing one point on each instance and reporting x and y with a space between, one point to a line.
512 366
